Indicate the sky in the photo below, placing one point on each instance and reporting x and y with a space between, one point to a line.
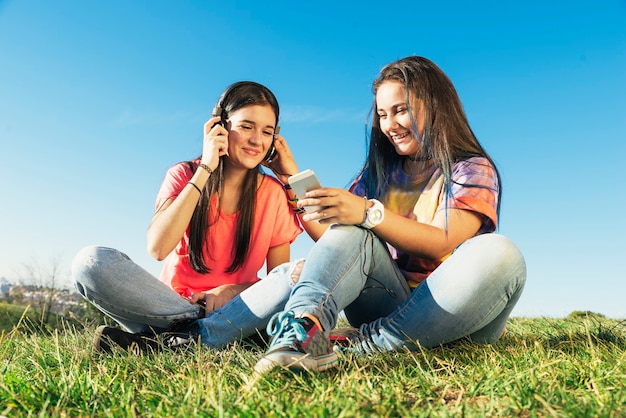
99 98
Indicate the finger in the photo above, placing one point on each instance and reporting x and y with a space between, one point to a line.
221 145
310 201
320 214
321 217
281 144
211 123
320 193
208 303
196 297
332 220
218 130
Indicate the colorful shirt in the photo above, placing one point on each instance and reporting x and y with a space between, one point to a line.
274 224
422 204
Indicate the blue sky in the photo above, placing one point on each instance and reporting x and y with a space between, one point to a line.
99 98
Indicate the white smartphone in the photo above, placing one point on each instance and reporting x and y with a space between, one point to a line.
303 182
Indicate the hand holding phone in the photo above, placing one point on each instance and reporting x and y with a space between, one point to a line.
303 182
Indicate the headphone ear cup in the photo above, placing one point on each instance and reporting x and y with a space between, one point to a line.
271 152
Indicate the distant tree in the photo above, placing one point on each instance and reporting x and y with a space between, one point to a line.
45 282
585 314
44 288
16 295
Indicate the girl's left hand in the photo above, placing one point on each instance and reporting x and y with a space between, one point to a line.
218 297
215 298
283 165
338 206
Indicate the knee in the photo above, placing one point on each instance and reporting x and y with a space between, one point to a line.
289 271
498 247
503 255
89 261
510 253
340 235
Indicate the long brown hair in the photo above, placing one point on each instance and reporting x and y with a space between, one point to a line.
235 97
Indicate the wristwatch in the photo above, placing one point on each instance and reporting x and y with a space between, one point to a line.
374 215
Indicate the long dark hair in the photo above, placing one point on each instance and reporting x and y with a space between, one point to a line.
447 136
235 97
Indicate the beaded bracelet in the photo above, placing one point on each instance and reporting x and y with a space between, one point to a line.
293 203
207 168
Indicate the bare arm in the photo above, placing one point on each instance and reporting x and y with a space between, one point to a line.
277 255
171 220
434 241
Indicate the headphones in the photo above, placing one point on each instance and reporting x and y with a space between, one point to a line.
218 110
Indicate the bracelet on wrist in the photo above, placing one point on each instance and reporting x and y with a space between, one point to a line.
294 206
195 186
207 168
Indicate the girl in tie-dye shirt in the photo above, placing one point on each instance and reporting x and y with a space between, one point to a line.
422 201
409 253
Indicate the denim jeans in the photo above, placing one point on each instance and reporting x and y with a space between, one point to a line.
139 302
472 293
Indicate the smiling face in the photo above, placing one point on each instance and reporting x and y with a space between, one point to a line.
395 119
251 131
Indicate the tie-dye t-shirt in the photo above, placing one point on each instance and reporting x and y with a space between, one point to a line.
422 204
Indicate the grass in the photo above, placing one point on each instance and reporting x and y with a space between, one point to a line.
569 367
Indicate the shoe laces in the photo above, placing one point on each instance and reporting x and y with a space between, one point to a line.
176 340
285 328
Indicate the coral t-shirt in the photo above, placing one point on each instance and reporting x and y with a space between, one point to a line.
274 224
474 187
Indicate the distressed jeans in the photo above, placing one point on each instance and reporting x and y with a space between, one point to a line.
472 293
139 302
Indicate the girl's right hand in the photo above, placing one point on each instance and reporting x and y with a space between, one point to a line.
215 142
338 206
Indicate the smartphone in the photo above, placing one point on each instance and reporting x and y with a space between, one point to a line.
303 182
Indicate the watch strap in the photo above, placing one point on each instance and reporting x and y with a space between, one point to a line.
374 215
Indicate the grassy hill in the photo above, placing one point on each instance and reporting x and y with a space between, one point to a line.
28 317
574 366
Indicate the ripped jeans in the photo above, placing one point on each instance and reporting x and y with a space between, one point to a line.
139 302
472 293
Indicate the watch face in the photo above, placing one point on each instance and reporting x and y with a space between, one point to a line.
376 216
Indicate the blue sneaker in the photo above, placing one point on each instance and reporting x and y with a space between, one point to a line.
297 343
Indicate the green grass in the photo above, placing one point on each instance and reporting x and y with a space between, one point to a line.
569 367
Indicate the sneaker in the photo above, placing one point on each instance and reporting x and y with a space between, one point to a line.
342 337
298 344
108 337
174 338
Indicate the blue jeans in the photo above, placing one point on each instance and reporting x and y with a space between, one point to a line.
139 302
472 293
